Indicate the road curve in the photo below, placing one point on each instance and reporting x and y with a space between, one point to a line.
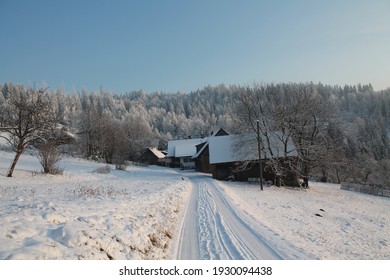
212 230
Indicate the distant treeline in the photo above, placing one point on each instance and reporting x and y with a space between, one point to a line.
146 119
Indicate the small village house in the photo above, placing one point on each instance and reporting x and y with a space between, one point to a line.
180 152
236 157
202 156
153 156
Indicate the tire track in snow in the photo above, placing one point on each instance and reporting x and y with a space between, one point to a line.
220 232
189 231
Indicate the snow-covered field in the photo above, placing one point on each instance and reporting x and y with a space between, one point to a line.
85 215
325 221
135 214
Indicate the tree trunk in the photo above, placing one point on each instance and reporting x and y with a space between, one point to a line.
338 175
306 182
19 152
324 177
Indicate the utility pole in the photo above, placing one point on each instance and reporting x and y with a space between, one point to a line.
259 150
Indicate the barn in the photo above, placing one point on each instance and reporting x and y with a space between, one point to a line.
153 156
236 157
181 152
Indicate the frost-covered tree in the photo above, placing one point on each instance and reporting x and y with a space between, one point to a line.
48 146
87 130
26 116
114 143
183 115
139 134
294 111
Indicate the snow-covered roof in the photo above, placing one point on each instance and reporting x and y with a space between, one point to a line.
232 148
222 150
183 148
157 153
201 150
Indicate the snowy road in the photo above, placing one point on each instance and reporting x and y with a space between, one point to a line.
212 229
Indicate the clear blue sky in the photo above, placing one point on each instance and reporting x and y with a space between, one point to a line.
184 45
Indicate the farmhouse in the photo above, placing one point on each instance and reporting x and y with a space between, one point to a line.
236 156
153 156
180 152
202 156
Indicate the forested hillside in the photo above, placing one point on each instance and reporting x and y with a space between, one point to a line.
118 127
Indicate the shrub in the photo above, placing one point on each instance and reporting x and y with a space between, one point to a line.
103 170
49 156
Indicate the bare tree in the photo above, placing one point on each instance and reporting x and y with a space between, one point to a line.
285 112
48 147
308 121
88 130
26 116
139 134
114 143
258 103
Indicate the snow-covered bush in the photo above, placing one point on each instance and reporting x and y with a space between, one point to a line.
103 169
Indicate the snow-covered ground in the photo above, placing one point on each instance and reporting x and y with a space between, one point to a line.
325 221
137 214
85 215
215 229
